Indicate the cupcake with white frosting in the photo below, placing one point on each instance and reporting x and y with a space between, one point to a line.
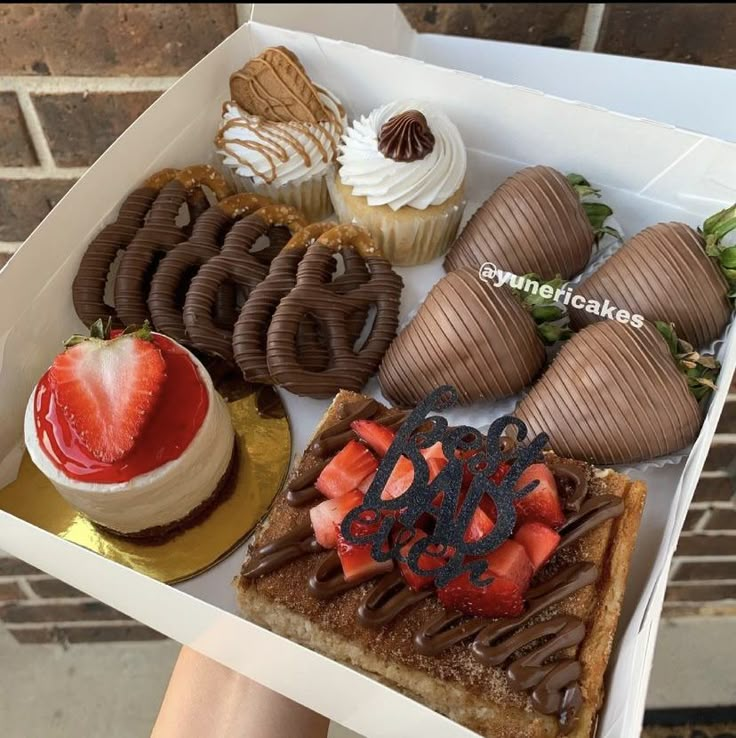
401 175
279 133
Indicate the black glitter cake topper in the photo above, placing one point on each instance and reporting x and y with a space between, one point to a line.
377 520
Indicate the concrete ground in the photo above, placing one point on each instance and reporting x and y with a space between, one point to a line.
114 690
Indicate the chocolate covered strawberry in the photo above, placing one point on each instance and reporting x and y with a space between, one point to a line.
536 221
619 394
669 272
480 338
107 387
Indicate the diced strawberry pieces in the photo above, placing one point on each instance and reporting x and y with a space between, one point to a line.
107 391
347 469
327 516
539 542
501 472
402 475
542 505
376 436
510 561
500 598
480 525
399 480
357 562
426 561
366 483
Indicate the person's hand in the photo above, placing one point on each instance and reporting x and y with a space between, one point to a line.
205 698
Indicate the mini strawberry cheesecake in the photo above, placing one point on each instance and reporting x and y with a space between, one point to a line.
131 432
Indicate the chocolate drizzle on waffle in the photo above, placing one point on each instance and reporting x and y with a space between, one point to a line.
526 644
301 490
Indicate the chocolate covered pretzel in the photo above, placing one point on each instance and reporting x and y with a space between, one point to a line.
236 264
159 235
249 334
173 275
88 288
348 367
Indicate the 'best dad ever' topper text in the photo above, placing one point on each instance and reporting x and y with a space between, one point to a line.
377 520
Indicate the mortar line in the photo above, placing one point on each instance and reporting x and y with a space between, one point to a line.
70 624
35 130
592 26
702 522
61 84
42 172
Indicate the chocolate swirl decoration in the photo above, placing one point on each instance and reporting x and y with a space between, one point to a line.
235 264
173 276
348 368
249 334
406 137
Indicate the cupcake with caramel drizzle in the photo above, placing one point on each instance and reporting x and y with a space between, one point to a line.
523 654
279 132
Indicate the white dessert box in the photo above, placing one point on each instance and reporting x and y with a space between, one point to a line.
648 172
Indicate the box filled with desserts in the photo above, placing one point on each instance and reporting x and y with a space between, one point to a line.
489 328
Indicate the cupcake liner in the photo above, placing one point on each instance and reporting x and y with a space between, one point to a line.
310 197
407 236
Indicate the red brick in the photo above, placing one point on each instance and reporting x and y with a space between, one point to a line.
10 567
707 545
705 570
692 518
713 489
16 149
85 634
110 39
722 520
549 24
53 613
700 592
696 33
720 456
24 203
727 421
79 127
10 592
50 588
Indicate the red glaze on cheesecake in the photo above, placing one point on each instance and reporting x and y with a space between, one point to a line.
179 413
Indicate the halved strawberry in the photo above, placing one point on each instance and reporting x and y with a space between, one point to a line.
357 562
539 542
327 516
347 469
542 505
426 561
376 436
500 598
107 389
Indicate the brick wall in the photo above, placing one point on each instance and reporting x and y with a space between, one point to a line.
73 77
37 608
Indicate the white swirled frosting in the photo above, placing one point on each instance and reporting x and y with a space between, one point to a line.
417 184
159 497
280 153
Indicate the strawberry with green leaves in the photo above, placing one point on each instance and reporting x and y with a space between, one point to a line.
107 387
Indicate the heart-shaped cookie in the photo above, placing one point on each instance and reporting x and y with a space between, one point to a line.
275 87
